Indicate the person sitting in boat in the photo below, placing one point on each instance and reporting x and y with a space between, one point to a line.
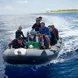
19 32
17 43
55 30
37 25
45 34
53 39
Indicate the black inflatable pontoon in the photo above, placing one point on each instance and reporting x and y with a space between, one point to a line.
32 56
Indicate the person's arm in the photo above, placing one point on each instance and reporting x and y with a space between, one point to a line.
16 34
10 44
24 45
48 32
33 27
41 32
22 34
57 34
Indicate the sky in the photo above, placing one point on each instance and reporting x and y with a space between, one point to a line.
35 6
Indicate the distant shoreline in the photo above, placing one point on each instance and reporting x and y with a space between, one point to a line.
62 11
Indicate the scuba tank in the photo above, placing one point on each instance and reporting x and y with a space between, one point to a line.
37 39
42 42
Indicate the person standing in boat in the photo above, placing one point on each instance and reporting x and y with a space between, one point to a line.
19 32
37 25
45 34
17 43
40 18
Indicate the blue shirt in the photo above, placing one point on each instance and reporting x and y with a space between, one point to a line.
46 31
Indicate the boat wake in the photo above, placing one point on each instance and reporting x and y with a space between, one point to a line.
65 26
70 38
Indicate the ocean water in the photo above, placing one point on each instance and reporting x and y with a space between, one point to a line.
64 66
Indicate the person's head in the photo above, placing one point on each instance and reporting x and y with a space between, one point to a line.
20 40
20 28
42 24
40 18
53 27
37 20
50 28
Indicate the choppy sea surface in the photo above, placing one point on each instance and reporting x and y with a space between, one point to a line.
64 66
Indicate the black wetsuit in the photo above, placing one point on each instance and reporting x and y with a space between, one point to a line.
36 27
53 39
19 34
16 45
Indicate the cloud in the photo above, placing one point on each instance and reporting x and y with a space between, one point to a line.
6 8
22 1
9 7
2 0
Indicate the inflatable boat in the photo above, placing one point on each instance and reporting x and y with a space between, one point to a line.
32 56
